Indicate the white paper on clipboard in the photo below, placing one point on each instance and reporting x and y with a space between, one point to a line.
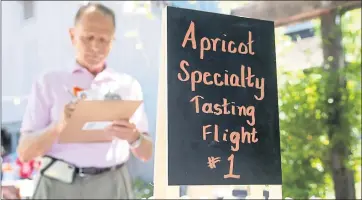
96 125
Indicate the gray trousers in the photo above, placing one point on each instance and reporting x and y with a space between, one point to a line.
115 184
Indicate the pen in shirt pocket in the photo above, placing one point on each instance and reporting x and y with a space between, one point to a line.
73 93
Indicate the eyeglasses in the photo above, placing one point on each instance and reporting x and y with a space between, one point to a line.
100 40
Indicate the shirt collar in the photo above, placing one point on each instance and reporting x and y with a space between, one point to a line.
78 68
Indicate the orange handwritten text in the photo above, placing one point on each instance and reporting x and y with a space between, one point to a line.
224 108
231 169
207 44
242 80
239 77
211 162
234 137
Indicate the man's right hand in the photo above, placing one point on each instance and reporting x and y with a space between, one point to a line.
35 145
65 116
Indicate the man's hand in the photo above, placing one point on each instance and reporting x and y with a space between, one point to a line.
36 145
124 130
66 115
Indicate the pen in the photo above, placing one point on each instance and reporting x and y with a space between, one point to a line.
74 97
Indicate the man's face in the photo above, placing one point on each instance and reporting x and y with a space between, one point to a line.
92 38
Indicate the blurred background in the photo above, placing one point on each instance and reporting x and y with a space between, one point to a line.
319 77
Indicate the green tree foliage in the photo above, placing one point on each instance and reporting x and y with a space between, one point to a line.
303 104
142 189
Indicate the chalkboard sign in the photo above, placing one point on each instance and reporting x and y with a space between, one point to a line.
222 106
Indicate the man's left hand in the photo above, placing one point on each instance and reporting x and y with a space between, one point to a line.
124 130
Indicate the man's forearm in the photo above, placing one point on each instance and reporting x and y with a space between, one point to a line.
37 144
144 151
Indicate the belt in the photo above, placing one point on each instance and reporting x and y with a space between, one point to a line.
87 170
95 170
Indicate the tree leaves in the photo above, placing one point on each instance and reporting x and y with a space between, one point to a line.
304 111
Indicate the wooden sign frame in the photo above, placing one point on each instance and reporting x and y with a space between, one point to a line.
161 188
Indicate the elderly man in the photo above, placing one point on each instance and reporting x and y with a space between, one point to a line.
83 171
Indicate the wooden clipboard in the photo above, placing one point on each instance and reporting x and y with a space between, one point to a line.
95 111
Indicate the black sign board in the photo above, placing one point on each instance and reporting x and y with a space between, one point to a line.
222 105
